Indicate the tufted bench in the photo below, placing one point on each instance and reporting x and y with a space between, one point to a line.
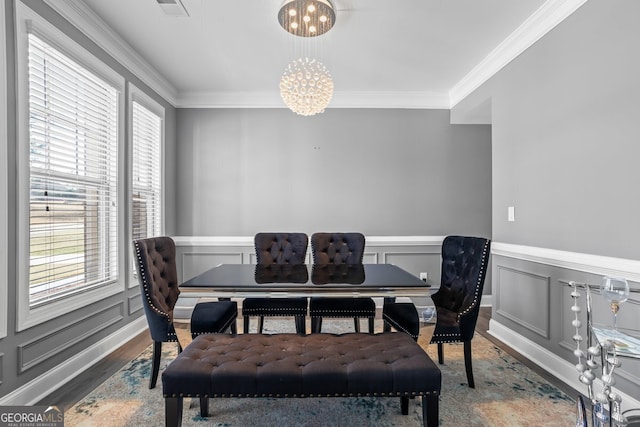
291 365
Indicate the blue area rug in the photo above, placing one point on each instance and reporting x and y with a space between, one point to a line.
507 393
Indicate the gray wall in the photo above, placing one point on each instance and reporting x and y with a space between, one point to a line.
31 353
566 123
378 171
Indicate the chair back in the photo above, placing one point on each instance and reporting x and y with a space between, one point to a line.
464 267
281 248
337 248
158 278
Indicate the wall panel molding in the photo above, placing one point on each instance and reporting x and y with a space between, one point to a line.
44 385
594 264
531 287
41 349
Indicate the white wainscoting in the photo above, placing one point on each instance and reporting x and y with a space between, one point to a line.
572 265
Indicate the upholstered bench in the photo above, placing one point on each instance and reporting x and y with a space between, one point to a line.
290 365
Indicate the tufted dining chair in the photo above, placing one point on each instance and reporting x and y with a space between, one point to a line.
464 267
158 278
339 248
278 248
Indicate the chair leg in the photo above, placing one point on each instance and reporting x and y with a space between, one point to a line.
301 327
316 325
356 324
155 363
440 354
371 325
179 347
234 327
467 364
246 324
386 327
260 324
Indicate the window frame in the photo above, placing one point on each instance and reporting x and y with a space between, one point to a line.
137 95
4 188
26 21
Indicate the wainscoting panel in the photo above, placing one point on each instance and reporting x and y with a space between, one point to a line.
41 349
134 303
523 298
527 279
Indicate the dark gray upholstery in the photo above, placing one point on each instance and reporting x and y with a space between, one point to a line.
464 267
278 249
337 249
158 278
290 365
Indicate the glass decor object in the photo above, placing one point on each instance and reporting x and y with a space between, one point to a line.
616 291
306 87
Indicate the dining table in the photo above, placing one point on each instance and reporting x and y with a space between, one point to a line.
305 280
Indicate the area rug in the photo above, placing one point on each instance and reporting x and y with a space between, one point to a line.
507 393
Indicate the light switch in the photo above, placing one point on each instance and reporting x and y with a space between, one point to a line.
511 213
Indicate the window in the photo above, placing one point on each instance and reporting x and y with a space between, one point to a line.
146 202
73 162
69 109
4 202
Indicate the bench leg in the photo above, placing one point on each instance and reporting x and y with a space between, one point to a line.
204 407
430 410
404 405
173 411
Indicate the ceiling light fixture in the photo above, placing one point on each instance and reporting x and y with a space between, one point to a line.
306 87
307 18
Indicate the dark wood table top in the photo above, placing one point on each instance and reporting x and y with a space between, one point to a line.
248 280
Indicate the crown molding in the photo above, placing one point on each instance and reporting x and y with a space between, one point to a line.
543 20
550 14
93 27
345 99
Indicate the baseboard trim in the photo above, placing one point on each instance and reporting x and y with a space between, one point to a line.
552 363
42 386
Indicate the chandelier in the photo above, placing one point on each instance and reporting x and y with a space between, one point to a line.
306 87
307 18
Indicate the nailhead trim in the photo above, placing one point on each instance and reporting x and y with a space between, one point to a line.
145 284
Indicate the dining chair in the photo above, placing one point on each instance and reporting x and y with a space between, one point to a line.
278 248
158 278
339 248
457 301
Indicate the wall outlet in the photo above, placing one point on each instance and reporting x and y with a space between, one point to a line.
423 276
511 213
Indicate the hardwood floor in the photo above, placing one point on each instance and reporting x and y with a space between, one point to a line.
70 393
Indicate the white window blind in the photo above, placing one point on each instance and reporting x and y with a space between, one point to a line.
146 175
73 131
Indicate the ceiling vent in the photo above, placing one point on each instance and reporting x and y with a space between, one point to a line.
173 7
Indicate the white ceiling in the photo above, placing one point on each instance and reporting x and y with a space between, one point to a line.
411 53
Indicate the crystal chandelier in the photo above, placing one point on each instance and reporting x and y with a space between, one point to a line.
306 87
307 18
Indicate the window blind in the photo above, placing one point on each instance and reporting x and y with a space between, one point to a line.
146 176
73 127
